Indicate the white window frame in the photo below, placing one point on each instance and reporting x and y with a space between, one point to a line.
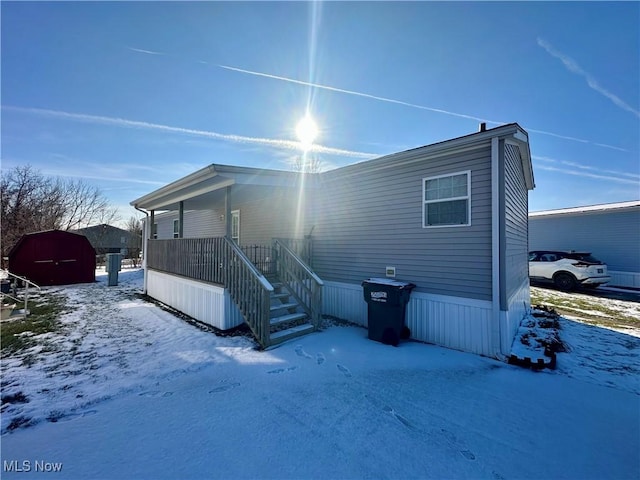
467 197
176 231
235 213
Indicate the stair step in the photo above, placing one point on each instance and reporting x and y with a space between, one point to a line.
287 318
293 332
279 295
282 306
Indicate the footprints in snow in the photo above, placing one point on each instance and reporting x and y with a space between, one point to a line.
453 440
155 394
282 370
66 417
388 409
397 416
224 388
301 353
320 359
447 437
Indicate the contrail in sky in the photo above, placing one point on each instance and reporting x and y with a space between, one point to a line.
141 50
571 65
358 94
390 100
121 122
586 171
408 104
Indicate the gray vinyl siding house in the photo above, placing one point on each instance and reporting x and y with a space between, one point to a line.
449 217
610 231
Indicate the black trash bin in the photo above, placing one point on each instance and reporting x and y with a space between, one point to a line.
386 304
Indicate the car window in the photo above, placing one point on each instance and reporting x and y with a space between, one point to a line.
533 256
548 257
585 257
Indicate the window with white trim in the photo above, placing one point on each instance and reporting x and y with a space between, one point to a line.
154 231
447 200
176 228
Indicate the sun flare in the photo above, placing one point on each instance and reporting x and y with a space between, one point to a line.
306 131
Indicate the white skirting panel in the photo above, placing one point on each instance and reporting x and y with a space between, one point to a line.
453 322
206 303
519 305
624 279
344 300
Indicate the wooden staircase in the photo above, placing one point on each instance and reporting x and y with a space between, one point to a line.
287 319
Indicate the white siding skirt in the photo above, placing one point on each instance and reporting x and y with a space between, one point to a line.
210 304
453 322
624 279
518 306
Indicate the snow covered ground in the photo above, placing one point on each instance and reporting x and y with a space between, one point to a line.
125 389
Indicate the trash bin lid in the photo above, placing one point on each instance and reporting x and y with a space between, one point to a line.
390 282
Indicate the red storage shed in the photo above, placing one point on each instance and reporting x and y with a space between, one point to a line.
54 257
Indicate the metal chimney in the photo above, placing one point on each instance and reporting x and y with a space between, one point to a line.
482 127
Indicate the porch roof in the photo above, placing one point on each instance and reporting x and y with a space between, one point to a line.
208 184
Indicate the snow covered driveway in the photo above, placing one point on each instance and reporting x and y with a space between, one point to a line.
110 344
127 390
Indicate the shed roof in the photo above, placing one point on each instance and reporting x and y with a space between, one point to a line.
27 236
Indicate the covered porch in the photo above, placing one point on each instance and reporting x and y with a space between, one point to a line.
226 245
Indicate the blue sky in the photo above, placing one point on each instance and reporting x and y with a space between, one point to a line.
132 96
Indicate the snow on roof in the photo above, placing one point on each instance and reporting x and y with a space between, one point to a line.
588 208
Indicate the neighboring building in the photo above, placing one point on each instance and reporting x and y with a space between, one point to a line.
449 217
611 232
108 239
53 257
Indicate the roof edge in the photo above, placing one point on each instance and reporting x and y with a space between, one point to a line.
602 207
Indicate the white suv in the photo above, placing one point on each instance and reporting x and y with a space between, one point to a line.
567 269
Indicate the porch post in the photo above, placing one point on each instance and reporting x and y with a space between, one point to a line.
180 220
152 222
227 211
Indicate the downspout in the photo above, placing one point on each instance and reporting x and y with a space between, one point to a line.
496 334
145 238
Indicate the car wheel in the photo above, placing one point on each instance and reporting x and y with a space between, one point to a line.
565 281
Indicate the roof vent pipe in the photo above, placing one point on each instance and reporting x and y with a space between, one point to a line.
482 127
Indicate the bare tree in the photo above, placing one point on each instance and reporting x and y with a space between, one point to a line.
134 226
31 202
307 164
84 205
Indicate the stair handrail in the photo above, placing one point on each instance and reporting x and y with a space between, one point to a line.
299 260
238 251
314 304
250 290
27 282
